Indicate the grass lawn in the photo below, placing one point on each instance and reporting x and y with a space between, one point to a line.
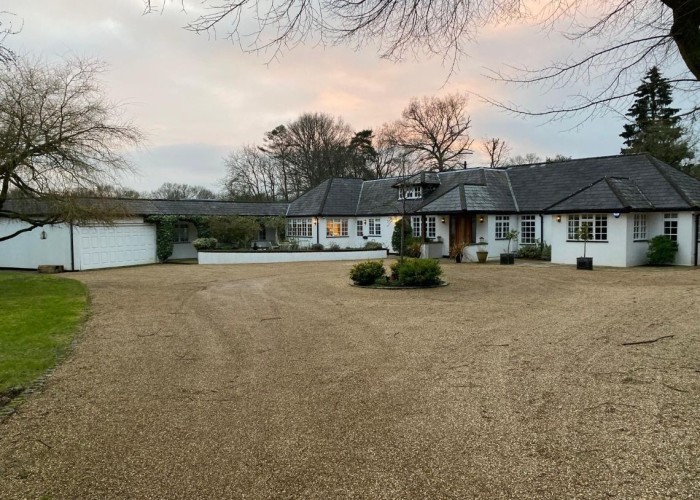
40 316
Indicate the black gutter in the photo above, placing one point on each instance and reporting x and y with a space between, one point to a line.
541 229
72 249
697 238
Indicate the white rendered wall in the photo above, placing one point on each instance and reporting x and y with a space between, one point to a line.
265 257
29 251
610 253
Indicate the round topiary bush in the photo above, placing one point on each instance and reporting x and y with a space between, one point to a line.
205 243
373 245
662 250
317 247
367 273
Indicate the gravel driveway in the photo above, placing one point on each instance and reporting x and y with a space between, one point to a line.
282 381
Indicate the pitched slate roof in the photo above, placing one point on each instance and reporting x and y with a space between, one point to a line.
332 197
543 185
159 207
608 193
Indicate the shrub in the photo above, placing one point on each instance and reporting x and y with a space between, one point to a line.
417 272
373 245
413 249
546 252
662 250
334 247
205 243
366 273
236 230
529 252
317 247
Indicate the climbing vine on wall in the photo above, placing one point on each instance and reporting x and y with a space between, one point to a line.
165 234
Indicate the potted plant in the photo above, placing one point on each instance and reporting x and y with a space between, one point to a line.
456 251
509 257
481 251
584 234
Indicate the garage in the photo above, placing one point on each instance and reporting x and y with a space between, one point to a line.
115 246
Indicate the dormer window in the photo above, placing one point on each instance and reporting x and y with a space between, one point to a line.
410 192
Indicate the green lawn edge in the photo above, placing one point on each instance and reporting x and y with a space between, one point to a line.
41 318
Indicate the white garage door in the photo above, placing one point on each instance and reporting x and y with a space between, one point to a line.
115 246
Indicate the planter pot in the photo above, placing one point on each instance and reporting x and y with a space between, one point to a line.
481 255
458 258
584 263
507 258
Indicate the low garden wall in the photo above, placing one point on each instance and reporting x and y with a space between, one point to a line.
269 257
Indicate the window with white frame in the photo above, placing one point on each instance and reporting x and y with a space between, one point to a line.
502 226
639 229
430 227
336 228
597 226
671 226
299 228
360 228
416 226
375 227
182 232
410 192
527 229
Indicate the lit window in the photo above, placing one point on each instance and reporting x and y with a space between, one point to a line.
671 226
597 226
502 226
336 228
640 227
375 227
416 226
182 232
360 230
527 229
299 228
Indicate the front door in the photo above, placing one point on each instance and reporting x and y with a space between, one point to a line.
461 229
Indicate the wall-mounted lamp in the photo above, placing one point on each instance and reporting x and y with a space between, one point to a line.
315 220
616 215
558 218
42 235
442 220
481 218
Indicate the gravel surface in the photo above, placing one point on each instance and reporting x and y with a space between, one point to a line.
282 381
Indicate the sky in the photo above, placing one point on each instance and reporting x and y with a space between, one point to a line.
197 97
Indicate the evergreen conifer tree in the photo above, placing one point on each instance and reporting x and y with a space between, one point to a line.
655 126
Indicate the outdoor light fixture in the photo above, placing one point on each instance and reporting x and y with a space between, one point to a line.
558 218
43 235
616 215
443 220
481 218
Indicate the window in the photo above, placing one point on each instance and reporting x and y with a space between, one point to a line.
597 226
410 192
336 228
375 227
299 228
639 231
430 227
671 226
527 229
416 226
360 230
182 232
502 226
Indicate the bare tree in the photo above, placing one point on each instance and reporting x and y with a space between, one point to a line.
177 191
496 149
251 175
528 159
436 130
625 38
58 134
